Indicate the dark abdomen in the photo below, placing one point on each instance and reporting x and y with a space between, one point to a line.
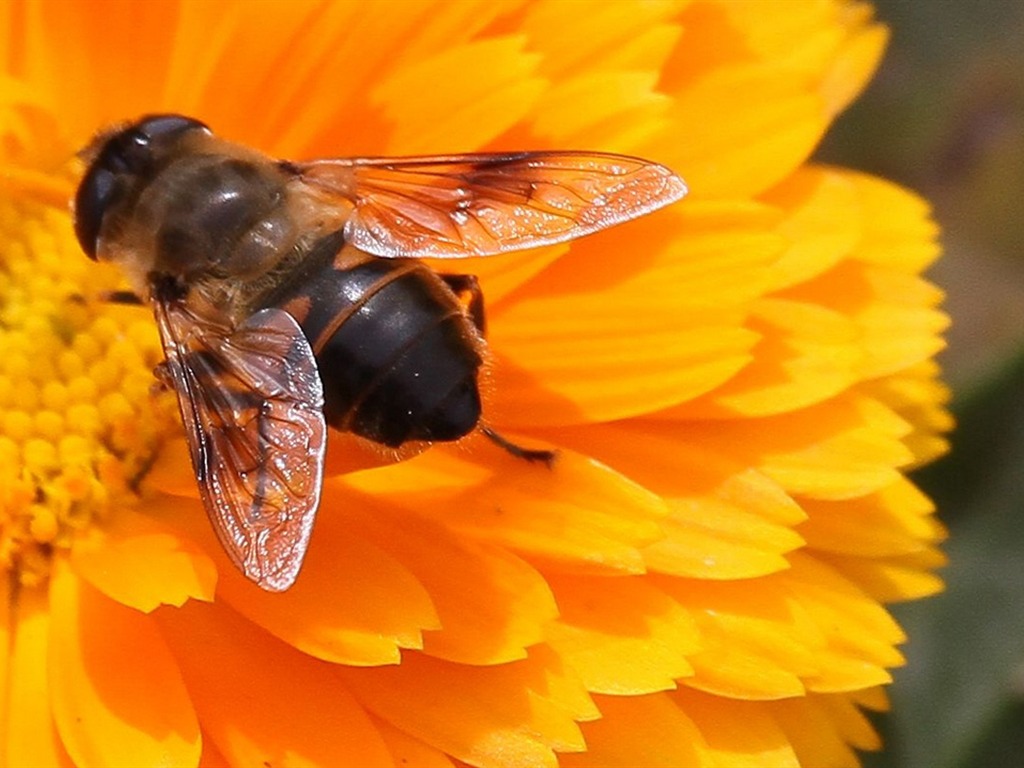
397 355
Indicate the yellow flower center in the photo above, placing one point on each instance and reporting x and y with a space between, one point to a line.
78 425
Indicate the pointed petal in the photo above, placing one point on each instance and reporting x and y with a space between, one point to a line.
739 734
501 716
30 737
757 642
577 516
640 730
489 85
377 605
264 703
846 447
490 604
621 636
726 519
105 662
409 751
138 562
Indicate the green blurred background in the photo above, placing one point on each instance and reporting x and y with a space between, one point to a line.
945 116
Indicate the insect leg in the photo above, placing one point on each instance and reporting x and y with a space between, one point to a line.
468 284
122 297
529 454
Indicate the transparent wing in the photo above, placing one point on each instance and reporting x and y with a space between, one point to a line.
484 204
252 404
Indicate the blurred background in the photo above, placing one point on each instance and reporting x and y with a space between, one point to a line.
945 116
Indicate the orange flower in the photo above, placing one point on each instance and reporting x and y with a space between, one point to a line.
735 387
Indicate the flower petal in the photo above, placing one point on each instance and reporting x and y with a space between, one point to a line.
138 562
739 734
611 36
756 640
852 724
747 127
806 354
815 738
263 703
861 635
409 751
502 716
898 231
727 520
489 85
29 735
377 605
846 447
890 580
879 299
640 730
821 222
600 338
613 111
105 662
577 516
893 521
622 636
490 604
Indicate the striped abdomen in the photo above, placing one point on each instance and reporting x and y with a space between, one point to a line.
396 353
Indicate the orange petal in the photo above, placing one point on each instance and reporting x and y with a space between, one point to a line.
747 128
727 520
815 738
378 606
409 751
635 319
894 521
263 703
490 604
57 55
140 563
888 580
488 86
30 737
105 662
826 47
502 716
615 111
879 299
806 354
757 642
610 36
898 231
738 734
640 730
821 222
856 61
846 447
861 634
212 757
353 52
621 636
578 515
853 727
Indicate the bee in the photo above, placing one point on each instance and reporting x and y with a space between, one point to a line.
290 296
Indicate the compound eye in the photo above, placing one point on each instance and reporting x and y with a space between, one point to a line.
95 194
155 127
133 150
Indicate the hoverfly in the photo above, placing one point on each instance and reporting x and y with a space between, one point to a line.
290 296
